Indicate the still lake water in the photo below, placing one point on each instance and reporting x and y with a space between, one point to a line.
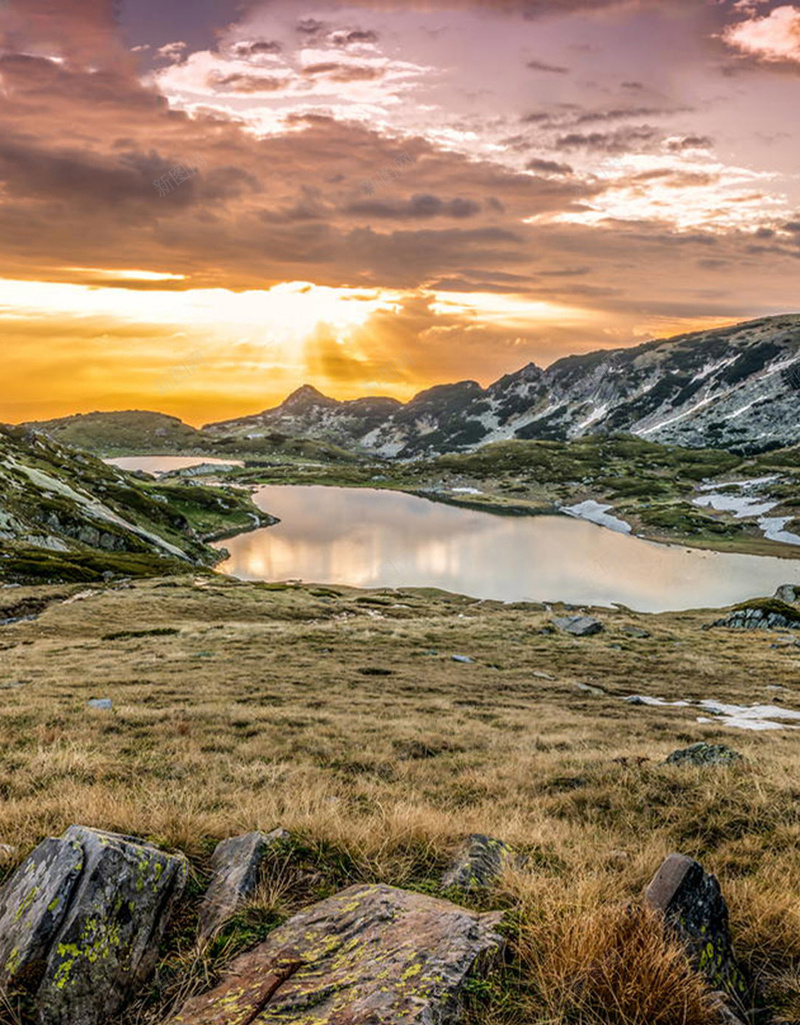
372 538
163 464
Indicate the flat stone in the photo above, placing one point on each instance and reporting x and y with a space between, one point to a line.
580 626
105 704
235 866
32 906
704 754
636 631
107 942
695 911
462 658
587 688
480 860
370 955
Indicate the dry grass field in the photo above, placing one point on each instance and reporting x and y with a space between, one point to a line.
341 715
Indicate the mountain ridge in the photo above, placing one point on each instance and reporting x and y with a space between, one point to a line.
736 387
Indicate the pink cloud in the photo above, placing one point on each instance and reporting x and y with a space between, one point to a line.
773 38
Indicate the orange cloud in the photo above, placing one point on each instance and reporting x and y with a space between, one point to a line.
774 38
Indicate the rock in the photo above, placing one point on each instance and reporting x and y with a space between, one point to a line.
235 866
7 852
580 626
480 860
788 593
704 754
769 615
109 923
636 631
587 688
369 955
462 658
104 703
32 906
540 675
695 911
634 699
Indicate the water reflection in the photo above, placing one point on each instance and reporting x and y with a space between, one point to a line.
370 538
163 464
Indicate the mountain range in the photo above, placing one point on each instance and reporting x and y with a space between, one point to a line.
736 388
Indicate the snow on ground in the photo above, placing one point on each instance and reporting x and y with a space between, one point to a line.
748 504
594 512
740 717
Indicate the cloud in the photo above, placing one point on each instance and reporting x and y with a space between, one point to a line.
245 49
555 69
336 72
245 83
548 166
172 51
620 141
419 207
773 39
689 142
354 37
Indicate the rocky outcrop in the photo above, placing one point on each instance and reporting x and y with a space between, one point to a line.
695 911
788 593
767 615
369 955
580 626
479 862
82 919
235 866
704 754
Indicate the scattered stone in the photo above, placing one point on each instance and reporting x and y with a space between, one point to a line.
788 593
635 699
541 675
368 955
704 754
7 852
580 626
636 631
235 866
480 860
587 688
103 703
695 910
462 658
81 920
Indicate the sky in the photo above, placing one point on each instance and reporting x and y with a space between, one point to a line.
206 203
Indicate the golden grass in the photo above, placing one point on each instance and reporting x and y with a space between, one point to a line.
256 714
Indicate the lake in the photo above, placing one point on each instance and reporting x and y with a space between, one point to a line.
163 464
372 538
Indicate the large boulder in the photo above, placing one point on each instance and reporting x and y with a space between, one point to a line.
370 955
108 941
81 920
695 911
32 906
478 863
235 867
579 626
788 593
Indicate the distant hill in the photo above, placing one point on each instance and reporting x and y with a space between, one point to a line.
117 434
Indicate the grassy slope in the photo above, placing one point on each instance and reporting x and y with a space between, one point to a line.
257 712
102 518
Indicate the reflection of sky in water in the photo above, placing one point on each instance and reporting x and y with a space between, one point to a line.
369 538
